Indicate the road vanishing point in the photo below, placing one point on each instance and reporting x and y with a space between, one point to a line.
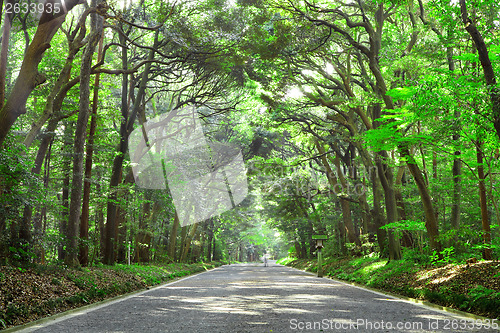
253 298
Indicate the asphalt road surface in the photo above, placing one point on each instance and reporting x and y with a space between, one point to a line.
254 298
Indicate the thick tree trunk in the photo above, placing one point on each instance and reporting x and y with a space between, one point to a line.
213 250
172 241
4 52
385 174
29 77
184 232
110 227
143 237
431 223
126 128
84 221
298 250
81 130
346 206
121 235
187 242
210 238
195 252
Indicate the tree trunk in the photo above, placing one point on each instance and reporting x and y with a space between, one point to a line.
457 162
121 236
346 207
210 238
84 221
298 250
485 222
4 52
184 230
195 252
457 180
489 74
386 179
386 176
172 241
431 223
81 130
213 250
126 128
187 242
120 250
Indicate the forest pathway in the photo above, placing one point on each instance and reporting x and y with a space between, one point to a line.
254 298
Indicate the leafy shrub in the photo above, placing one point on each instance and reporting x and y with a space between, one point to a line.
416 256
446 257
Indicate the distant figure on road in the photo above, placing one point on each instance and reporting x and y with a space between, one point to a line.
265 260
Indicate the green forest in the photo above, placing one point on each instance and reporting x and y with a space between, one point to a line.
374 122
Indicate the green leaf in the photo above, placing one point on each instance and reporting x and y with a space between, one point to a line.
467 57
402 93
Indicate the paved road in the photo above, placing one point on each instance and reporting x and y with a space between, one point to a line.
253 298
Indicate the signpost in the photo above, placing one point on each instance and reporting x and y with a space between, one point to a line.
319 245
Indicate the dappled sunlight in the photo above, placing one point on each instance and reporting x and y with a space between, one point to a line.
245 299
224 309
271 293
257 322
433 316
390 300
441 274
